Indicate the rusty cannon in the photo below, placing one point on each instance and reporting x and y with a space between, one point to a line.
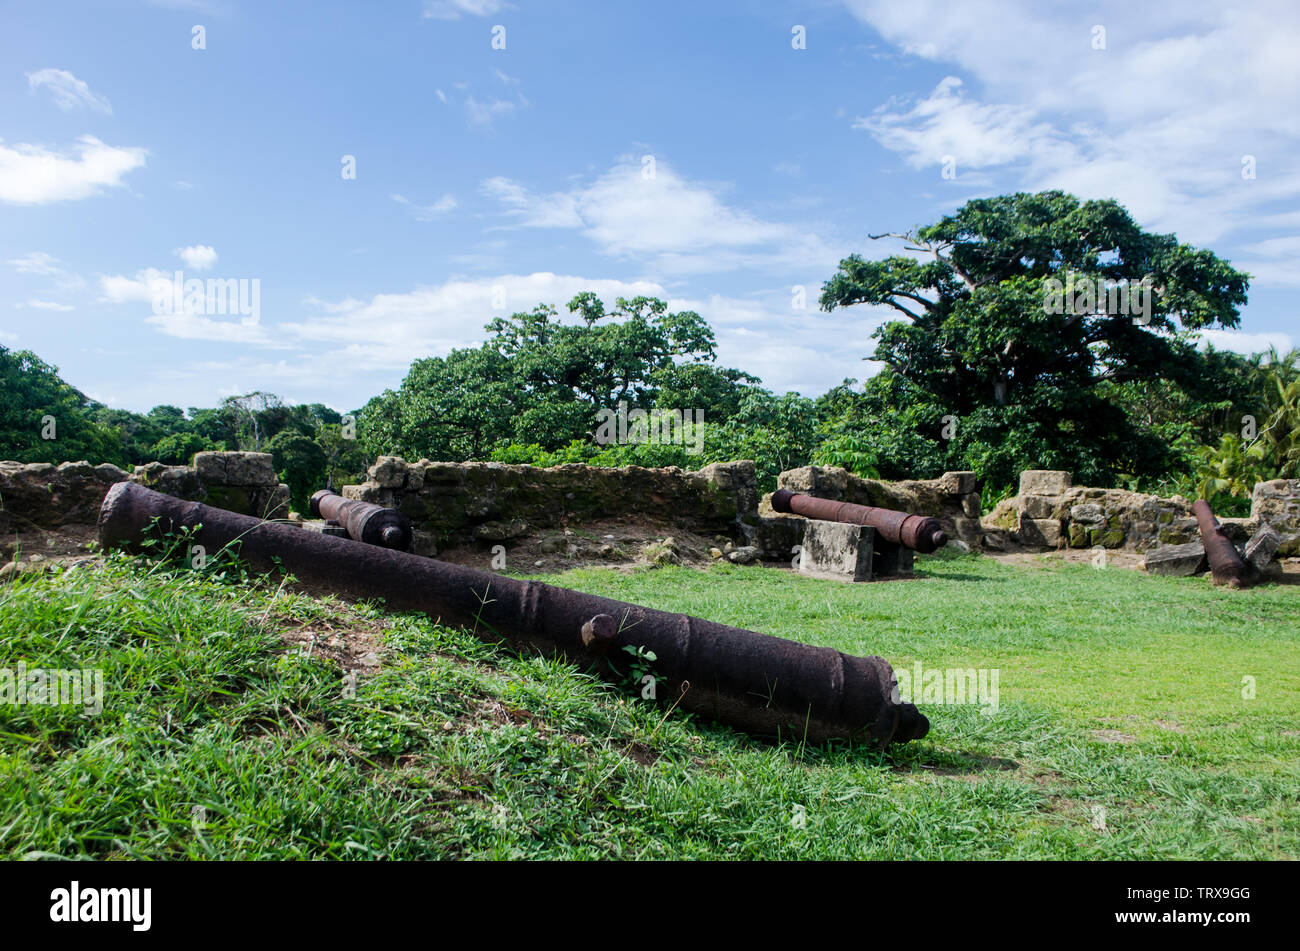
372 524
1226 564
917 532
757 683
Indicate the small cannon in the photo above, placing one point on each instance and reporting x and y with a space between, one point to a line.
757 683
372 524
1226 564
917 532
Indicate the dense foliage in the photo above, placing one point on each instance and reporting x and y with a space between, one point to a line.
1021 311
1038 331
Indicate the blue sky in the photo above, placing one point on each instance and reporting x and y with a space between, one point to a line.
489 180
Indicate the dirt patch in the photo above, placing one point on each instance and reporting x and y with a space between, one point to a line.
1121 558
606 543
1114 736
1115 557
55 544
642 754
353 642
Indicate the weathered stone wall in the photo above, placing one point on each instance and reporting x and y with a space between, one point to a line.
39 495
953 499
243 482
1051 512
458 503
1277 503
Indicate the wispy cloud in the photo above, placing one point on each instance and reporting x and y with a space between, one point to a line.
1158 113
68 91
389 330
37 262
1239 342
37 304
641 209
428 212
486 111
455 9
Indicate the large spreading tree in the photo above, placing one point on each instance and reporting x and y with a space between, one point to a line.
539 380
1014 328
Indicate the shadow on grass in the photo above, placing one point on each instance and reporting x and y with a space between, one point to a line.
915 757
953 763
945 576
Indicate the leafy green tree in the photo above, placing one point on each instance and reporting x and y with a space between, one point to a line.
178 449
537 380
257 417
301 464
776 432
219 425
138 432
345 459
43 419
451 408
1001 338
1280 437
716 391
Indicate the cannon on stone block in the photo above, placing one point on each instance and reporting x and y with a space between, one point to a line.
917 532
880 546
363 522
756 683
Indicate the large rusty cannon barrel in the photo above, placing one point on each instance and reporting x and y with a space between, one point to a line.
757 683
372 524
917 532
1226 564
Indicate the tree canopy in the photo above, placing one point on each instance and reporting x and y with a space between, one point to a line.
1018 309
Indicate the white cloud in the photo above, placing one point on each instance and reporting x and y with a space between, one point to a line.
199 257
763 334
766 336
219 330
484 113
37 262
1287 245
534 211
1248 343
149 284
118 289
390 330
33 175
1159 120
454 9
946 124
46 305
68 91
428 212
686 225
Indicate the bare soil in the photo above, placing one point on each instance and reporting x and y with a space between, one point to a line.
605 543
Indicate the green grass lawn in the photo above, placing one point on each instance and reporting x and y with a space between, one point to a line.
1124 727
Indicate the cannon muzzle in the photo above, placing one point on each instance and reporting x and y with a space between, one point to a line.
757 683
372 524
917 532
